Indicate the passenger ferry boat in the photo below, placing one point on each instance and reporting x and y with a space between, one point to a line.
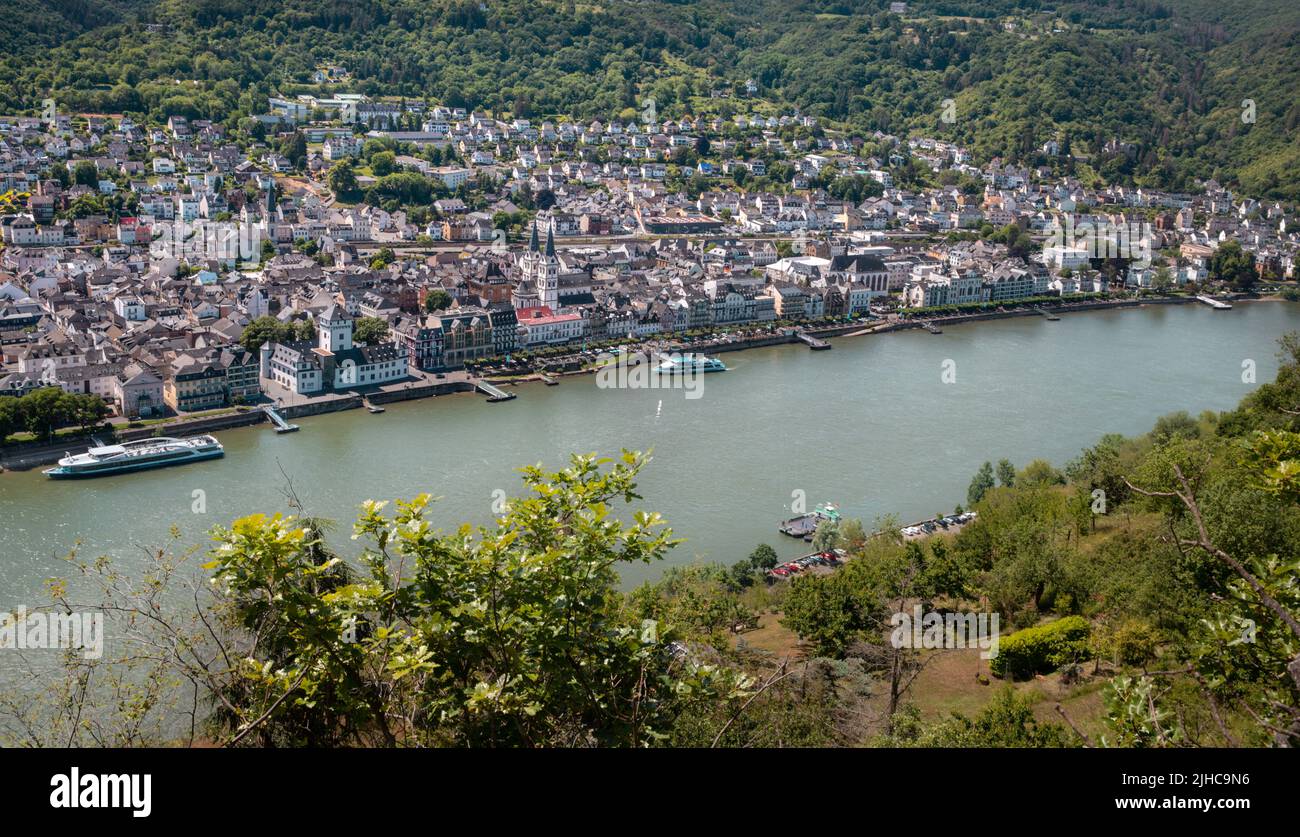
136 456
682 364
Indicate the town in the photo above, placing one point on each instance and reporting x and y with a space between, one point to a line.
346 244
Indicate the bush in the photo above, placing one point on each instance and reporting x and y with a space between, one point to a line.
1042 649
1135 643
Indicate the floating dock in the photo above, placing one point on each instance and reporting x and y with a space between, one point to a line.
1217 305
805 525
281 426
550 381
493 393
373 408
802 526
931 327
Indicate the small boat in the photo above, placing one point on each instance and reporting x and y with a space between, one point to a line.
104 460
690 364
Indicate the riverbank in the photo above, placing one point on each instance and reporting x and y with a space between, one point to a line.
290 406
791 334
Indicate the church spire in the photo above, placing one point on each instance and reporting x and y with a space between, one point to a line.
550 240
532 241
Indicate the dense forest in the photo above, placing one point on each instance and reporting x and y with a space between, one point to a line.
1148 592
1169 79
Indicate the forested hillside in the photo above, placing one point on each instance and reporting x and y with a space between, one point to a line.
1168 77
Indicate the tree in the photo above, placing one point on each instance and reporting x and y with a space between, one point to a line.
342 179
763 557
86 410
262 330
827 535
370 331
1230 263
44 411
85 174
825 613
1006 473
1041 473
852 536
437 299
60 172
11 419
980 484
293 147
383 163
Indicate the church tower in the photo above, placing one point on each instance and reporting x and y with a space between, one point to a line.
548 273
525 294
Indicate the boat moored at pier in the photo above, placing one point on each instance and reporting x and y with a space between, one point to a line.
104 460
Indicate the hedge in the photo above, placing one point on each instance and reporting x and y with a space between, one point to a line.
1041 649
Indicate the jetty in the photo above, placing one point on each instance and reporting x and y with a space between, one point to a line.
281 426
817 345
804 525
931 327
372 408
1216 304
493 393
549 380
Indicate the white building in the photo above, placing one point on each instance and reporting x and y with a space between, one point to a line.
333 363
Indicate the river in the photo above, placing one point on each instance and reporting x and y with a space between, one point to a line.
874 425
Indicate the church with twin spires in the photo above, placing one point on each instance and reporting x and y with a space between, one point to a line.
539 285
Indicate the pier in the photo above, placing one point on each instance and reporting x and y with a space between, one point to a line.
813 343
281 426
804 525
931 327
372 408
1213 303
549 380
493 393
